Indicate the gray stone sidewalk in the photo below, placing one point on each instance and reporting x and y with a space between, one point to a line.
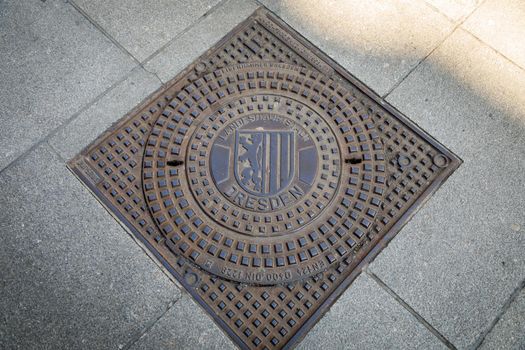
72 278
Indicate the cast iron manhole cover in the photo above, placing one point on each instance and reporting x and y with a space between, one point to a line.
263 177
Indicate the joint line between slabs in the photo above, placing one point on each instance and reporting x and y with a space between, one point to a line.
500 314
184 31
145 330
55 152
155 53
67 121
101 29
413 312
152 73
111 38
508 59
435 9
460 19
403 78
456 26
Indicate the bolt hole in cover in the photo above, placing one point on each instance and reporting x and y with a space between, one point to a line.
264 176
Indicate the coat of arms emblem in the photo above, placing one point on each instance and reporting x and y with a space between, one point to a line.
264 160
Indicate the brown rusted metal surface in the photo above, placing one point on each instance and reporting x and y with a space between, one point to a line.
264 177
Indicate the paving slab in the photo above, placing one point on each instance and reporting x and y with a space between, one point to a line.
88 125
193 43
379 42
461 257
14 13
144 26
457 10
509 332
71 277
184 326
367 317
50 68
501 24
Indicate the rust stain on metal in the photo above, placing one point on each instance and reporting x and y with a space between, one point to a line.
264 176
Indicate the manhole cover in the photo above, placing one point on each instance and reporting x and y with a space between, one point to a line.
263 177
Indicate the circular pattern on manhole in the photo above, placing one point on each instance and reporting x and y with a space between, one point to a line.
277 173
264 172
